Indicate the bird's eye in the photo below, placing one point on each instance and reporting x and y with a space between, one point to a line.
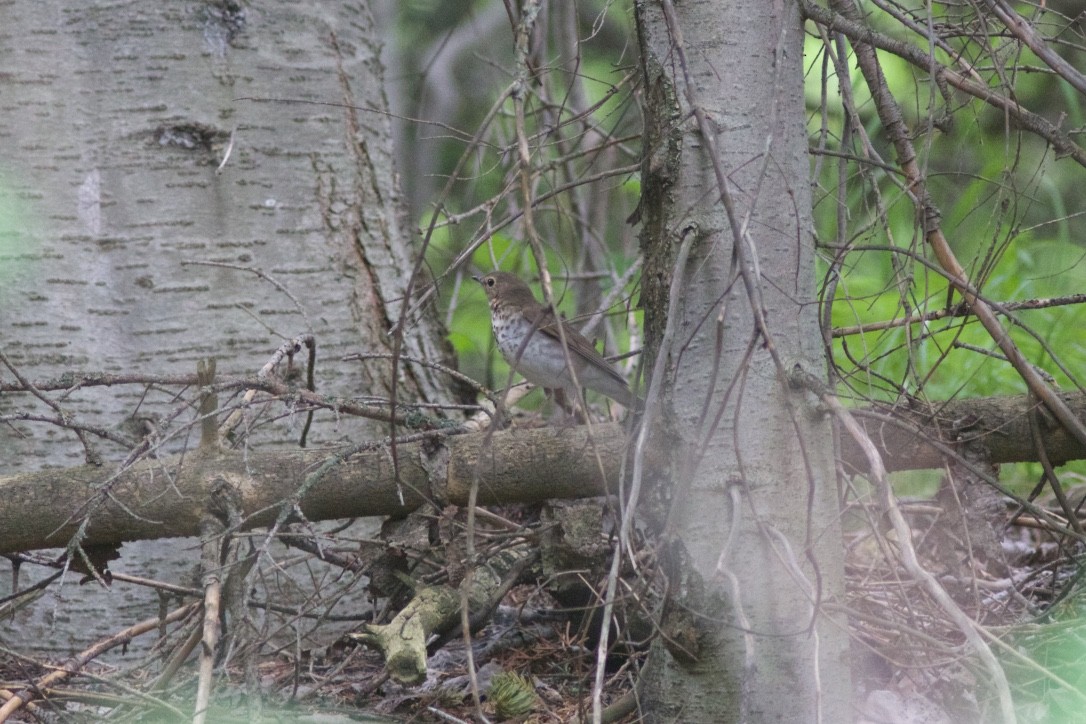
490 281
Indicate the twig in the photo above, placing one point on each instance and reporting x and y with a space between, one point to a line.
77 662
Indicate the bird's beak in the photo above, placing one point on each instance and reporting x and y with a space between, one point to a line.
477 278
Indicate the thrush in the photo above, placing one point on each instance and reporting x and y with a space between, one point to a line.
528 336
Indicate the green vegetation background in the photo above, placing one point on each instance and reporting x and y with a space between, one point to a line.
1011 209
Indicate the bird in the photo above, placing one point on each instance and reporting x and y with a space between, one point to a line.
530 337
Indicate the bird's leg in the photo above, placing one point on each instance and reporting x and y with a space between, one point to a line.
575 409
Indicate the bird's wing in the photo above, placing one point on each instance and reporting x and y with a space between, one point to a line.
579 343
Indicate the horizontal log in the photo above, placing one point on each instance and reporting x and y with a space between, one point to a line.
903 432
167 498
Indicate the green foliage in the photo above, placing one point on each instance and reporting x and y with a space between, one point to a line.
512 695
946 358
1044 663
1009 209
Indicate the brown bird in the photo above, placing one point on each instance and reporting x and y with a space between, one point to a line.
528 336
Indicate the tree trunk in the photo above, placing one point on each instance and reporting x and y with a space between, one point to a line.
751 541
135 252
